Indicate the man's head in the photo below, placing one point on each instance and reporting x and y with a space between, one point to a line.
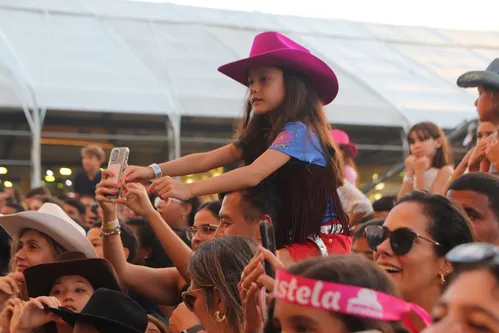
242 211
92 157
478 194
11 208
75 209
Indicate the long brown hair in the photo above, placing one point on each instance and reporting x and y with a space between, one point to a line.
301 103
426 130
219 264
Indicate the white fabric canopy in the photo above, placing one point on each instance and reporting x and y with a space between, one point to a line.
158 58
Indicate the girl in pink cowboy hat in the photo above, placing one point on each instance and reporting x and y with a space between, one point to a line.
349 151
283 135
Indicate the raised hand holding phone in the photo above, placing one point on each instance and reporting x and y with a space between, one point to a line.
117 163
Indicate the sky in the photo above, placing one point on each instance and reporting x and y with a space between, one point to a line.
452 14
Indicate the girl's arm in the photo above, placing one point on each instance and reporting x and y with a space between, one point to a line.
244 177
443 176
202 162
186 165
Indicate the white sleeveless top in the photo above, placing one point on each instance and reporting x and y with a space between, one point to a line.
429 177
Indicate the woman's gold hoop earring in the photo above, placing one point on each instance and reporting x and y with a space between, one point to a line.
218 318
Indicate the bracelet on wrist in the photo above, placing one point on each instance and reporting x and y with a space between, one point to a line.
106 233
409 179
112 225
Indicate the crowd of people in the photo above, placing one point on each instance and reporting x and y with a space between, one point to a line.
143 254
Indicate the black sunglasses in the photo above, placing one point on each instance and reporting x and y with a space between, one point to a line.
401 239
472 253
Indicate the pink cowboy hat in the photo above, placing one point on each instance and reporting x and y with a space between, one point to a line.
275 49
343 140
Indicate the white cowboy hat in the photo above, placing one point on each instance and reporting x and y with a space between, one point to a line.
51 220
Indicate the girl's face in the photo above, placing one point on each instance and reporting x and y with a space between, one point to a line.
33 249
485 107
420 268
73 291
292 318
470 304
485 129
422 147
266 87
205 223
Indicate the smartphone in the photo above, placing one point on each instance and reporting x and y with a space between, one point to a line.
268 242
117 162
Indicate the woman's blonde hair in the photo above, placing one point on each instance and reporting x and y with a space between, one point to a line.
56 248
218 264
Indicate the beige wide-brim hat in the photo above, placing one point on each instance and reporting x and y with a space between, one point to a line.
51 220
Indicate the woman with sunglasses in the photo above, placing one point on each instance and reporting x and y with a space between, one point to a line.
470 302
215 269
412 244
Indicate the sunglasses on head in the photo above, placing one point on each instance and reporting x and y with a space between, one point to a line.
401 239
472 253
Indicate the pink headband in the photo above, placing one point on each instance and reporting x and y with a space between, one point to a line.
344 299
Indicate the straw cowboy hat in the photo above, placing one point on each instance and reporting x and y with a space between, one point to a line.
343 140
51 220
275 49
488 77
108 311
99 272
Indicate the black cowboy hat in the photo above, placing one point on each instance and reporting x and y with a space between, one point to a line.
99 272
108 311
488 77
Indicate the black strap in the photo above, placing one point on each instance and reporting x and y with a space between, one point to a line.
194 329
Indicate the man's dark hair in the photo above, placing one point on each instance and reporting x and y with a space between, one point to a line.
127 238
76 204
14 205
38 191
259 200
480 182
384 204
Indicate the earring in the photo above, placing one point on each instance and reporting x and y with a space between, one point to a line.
218 318
442 279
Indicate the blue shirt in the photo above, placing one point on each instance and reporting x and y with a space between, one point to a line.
297 141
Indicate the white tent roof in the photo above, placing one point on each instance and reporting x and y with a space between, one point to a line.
158 58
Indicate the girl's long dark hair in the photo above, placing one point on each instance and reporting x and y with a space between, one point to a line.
257 132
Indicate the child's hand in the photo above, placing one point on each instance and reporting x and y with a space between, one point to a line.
477 156
492 153
409 165
421 164
137 174
168 187
136 199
